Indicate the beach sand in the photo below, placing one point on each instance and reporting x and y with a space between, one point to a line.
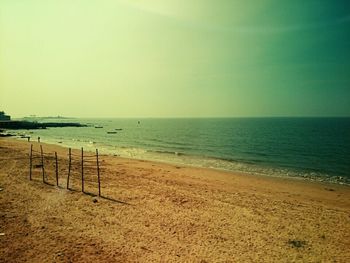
165 213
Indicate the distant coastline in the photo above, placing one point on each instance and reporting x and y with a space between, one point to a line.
39 118
28 125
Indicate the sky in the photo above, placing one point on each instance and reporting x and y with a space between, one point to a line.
175 58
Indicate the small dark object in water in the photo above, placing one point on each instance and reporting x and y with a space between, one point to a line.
297 243
329 189
38 165
111 132
98 127
118 129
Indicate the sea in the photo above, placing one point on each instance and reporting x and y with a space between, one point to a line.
304 148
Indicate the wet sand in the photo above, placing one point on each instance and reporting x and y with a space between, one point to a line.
156 212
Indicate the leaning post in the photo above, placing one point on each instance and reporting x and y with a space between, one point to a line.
56 168
42 163
98 174
69 165
82 169
30 161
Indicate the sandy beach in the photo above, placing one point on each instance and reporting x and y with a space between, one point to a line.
156 212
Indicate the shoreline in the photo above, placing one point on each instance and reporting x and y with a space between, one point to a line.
332 180
227 174
164 212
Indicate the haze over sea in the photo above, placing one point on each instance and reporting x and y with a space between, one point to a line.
314 148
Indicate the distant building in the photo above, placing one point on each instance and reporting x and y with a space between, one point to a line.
4 117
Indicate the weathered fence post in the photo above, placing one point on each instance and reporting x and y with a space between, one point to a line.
98 174
30 162
82 169
56 168
42 162
69 165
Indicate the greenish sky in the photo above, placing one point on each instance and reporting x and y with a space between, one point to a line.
175 58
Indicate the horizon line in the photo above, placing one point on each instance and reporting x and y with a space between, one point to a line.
190 117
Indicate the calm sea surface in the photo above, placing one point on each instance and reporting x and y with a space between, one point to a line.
315 148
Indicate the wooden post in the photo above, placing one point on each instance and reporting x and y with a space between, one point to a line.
82 169
98 174
69 165
56 168
30 162
42 162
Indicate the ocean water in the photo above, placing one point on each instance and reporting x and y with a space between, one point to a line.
313 148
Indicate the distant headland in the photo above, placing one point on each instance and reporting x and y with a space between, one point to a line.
32 123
